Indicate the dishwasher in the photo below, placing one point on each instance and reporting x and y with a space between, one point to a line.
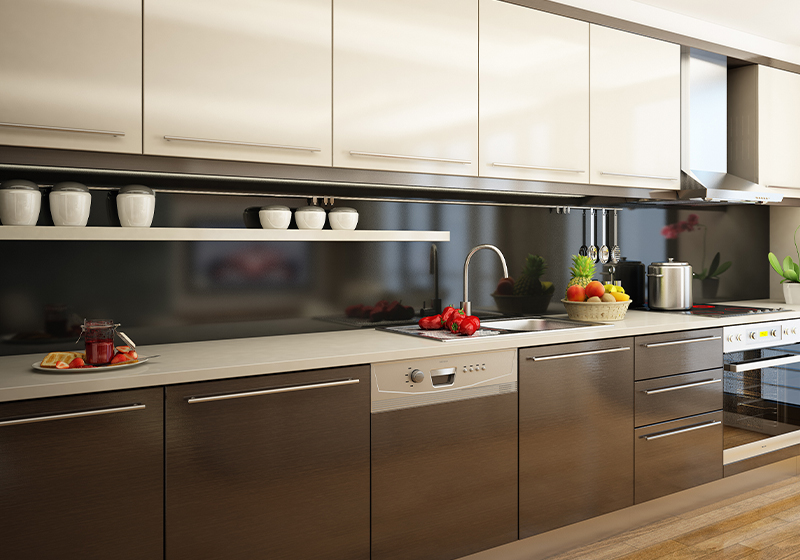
444 455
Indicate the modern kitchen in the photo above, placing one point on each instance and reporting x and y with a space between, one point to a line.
435 280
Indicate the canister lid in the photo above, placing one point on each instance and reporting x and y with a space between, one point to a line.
70 186
136 189
343 210
19 184
276 208
310 209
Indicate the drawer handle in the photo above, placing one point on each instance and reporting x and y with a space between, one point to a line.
684 386
192 400
661 177
418 158
682 430
519 166
687 341
64 129
578 354
237 143
67 415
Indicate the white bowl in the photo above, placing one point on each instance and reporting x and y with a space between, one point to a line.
20 202
70 204
135 209
343 218
275 217
310 217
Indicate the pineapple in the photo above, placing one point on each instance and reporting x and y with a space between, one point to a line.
582 271
528 283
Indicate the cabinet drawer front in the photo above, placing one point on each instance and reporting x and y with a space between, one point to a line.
677 352
674 456
675 396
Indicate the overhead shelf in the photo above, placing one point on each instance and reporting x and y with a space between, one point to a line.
60 233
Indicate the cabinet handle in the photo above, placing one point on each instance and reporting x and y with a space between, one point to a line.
578 354
192 400
683 386
236 143
682 430
419 158
661 177
516 165
687 341
67 415
64 129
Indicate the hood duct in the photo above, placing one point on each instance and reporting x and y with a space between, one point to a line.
704 140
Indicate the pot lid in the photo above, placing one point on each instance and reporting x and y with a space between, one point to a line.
70 186
136 189
19 184
669 262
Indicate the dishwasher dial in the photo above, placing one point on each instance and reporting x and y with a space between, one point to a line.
416 376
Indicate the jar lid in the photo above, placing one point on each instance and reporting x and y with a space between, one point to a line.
670 262
19 184
70 186
344 210
276 208
311 209
136 189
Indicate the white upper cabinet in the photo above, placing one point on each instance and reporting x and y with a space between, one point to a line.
71 74
764 126
405 85
534 94
238 80
635 110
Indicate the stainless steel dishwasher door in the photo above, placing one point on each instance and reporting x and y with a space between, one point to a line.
444 456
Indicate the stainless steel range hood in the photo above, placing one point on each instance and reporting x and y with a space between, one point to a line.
704 135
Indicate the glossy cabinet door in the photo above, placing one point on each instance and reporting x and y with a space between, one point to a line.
82 477
273 466
405 85
238 80
778 128
534 94
576 416
71 74
635 110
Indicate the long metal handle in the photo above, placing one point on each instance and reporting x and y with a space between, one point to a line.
419 158
682 430
237 143
683 386
578 354
64 129
759 364
687 341
67 415
661 177
519 166
192 400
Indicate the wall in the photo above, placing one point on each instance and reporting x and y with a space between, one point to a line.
783 222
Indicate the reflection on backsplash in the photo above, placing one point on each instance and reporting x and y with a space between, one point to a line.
165 292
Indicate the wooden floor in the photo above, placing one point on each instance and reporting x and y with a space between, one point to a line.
763 524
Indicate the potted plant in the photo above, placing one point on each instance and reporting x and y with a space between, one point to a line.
790 273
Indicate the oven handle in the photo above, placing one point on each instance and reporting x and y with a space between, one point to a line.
772 362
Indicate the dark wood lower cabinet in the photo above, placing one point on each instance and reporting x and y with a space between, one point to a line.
272 467
81 477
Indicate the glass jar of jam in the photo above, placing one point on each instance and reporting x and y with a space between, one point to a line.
98 334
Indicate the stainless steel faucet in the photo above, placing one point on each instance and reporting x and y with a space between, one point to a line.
466 305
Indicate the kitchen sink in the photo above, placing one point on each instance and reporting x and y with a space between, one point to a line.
538 324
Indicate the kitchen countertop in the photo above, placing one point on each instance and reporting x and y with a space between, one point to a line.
221 359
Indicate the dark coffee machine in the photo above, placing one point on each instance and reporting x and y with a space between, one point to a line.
631 275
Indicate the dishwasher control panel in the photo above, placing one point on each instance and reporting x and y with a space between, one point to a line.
422 381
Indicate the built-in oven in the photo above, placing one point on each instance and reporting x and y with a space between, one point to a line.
761 393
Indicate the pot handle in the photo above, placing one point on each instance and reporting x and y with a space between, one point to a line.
656 275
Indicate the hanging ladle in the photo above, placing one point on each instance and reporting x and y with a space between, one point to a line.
616 252
602 253
592 254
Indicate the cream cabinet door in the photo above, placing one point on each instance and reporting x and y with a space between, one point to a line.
534 94
405 85
778 128
238 80
71 74
635 110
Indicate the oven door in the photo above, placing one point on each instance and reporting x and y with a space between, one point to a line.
761 401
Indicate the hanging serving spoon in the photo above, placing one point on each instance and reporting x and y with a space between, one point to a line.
602 253
584 250
616 252
592 254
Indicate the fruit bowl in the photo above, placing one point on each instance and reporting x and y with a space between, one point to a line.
517 305
596 311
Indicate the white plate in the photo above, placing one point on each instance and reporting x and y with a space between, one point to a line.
94 369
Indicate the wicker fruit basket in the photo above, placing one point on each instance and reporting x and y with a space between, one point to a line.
594 311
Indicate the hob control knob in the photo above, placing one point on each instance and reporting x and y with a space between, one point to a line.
794 330
753 335
416 376
739 337
773 333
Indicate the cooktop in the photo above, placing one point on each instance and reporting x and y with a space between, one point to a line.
714 310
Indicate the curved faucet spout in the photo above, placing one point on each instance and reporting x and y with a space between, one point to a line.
466 305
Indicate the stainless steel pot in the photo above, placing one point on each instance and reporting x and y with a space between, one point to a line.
669 285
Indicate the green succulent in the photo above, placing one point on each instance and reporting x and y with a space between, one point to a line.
714 270
791 270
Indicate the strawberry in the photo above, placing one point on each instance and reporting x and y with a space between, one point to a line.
77 363
61 365
120 358
124 349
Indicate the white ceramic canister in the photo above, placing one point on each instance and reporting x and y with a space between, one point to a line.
20 202
275 217
135 206
310 217
70 203
343 218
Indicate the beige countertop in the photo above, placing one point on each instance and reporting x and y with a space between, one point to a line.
204 361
